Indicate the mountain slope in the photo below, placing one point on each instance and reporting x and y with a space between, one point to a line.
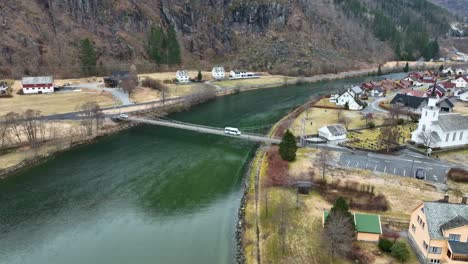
286 36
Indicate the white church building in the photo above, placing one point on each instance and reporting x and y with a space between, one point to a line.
437 130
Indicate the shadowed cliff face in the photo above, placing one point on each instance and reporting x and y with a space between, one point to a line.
42 36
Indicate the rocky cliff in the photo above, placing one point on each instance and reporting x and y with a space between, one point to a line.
287 36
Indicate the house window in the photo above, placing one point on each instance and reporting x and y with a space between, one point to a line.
421 222
454 136
454 237
413 227
424 128
461 136
425 246
437 261
426 113
433 114
422 210
435 250
447 137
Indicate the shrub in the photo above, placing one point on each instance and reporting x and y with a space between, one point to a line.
458 175
153 84
371 124
277 168
400 121
385 244
400 251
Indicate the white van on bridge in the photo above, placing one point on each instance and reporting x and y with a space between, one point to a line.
232 131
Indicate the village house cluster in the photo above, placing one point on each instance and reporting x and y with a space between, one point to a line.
217 73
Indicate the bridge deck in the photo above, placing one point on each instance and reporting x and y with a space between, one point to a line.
206 129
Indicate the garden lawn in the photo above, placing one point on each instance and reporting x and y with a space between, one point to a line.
247 83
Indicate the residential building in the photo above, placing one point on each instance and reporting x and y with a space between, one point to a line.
351 99
182 76
356 90
447 85
368 226
411 92
461 82
377 92
242 75
446 105
38 85
218 73
333 132
438 232
437 130
115 78
3 89
409 103
464 96
439 91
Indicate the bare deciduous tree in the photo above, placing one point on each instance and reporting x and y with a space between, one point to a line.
31 124
91 117
345 121
389 135
131 82
323 160
368 117
13 120
338 234
426 138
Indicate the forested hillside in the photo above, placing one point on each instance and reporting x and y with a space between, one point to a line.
289 37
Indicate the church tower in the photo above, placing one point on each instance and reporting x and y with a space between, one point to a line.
429 114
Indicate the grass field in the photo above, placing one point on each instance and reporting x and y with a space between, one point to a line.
144 94
263 80
54 103
461 107
455 156
172 75
319 117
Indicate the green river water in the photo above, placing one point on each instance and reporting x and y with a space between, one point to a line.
144 195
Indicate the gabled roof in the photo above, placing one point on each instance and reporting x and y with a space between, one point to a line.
337 130
452 122
447 85
365 223
412 92
463 77
409 101
439 213
455 222
356 89
37 80
446 103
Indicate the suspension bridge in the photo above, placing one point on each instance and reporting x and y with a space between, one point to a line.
160 121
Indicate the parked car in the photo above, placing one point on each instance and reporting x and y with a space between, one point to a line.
420 174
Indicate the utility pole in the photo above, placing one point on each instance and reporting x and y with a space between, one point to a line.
303 131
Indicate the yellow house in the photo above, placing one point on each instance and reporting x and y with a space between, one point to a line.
438 232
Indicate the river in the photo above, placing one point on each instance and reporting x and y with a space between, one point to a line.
144 195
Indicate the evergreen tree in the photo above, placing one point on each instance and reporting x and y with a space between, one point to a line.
341 206
441 68
346 106
288 146
432 50
379 71
173 47
406 68
199 76
155 44
88 57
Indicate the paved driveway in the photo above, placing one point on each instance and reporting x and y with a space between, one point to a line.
117 93
403 165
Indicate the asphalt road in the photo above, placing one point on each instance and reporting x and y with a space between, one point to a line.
404 165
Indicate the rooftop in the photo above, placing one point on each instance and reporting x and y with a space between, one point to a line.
460 248
452 122
37 80
439 213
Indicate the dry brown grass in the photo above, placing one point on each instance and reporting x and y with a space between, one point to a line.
54 103
162 76
461 107
263 80
319 117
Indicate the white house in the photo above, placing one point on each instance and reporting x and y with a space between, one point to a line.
460 71
182 76
464 96
218 73
3 89
332 132
440 130
461 82
377 92
38 85
349 97
242 75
